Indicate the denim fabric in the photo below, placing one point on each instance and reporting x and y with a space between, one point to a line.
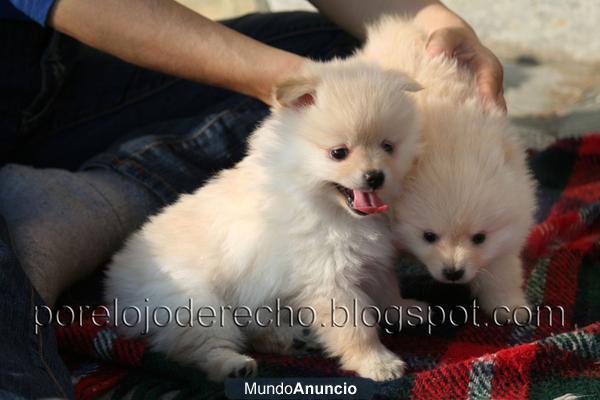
177 156
65 105
29 365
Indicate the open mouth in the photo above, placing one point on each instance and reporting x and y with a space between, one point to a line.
362 203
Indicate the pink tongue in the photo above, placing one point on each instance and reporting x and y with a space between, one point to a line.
368 202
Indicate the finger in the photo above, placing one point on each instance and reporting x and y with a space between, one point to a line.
489 77
501 101
490 95
443 41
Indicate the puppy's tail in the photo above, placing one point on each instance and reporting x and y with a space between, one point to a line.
394 42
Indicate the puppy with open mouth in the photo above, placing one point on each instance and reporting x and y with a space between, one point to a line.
468 202
299 219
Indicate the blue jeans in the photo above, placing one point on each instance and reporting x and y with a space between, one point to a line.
65 105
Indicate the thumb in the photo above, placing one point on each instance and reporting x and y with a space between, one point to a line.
443 41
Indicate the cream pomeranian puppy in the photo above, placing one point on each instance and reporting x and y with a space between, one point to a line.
299 220
468 203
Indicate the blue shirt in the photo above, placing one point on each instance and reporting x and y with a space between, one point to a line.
36 10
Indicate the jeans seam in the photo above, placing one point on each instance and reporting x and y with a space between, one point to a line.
41 353
52 77
129 159
112 208
122 161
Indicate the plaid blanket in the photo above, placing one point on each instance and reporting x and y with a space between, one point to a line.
537 361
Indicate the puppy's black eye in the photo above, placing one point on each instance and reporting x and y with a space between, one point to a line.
387 147
478 238
339 154
430 237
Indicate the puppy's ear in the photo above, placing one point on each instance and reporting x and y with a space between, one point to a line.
410 85
407 83
297 92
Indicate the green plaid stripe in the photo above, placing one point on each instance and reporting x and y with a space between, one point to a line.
480 378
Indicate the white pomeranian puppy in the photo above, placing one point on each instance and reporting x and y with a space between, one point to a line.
468 203
299 219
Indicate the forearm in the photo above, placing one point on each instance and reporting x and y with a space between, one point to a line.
354 15
165 36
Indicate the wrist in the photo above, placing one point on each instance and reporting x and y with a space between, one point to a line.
281 68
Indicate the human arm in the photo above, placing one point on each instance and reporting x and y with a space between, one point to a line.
165 36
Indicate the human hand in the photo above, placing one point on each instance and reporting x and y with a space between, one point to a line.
462 44
448 33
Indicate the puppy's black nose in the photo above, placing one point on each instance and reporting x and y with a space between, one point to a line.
374 179
453 274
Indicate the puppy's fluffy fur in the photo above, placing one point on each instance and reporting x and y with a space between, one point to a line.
468 203
280 225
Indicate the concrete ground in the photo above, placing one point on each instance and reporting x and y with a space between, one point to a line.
550 54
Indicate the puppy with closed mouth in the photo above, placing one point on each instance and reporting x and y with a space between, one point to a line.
299 219
468 202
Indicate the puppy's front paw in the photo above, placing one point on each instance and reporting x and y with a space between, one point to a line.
231 365
506 305
242 368
381 366
305 341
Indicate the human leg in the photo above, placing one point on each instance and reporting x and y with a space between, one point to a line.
30 365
